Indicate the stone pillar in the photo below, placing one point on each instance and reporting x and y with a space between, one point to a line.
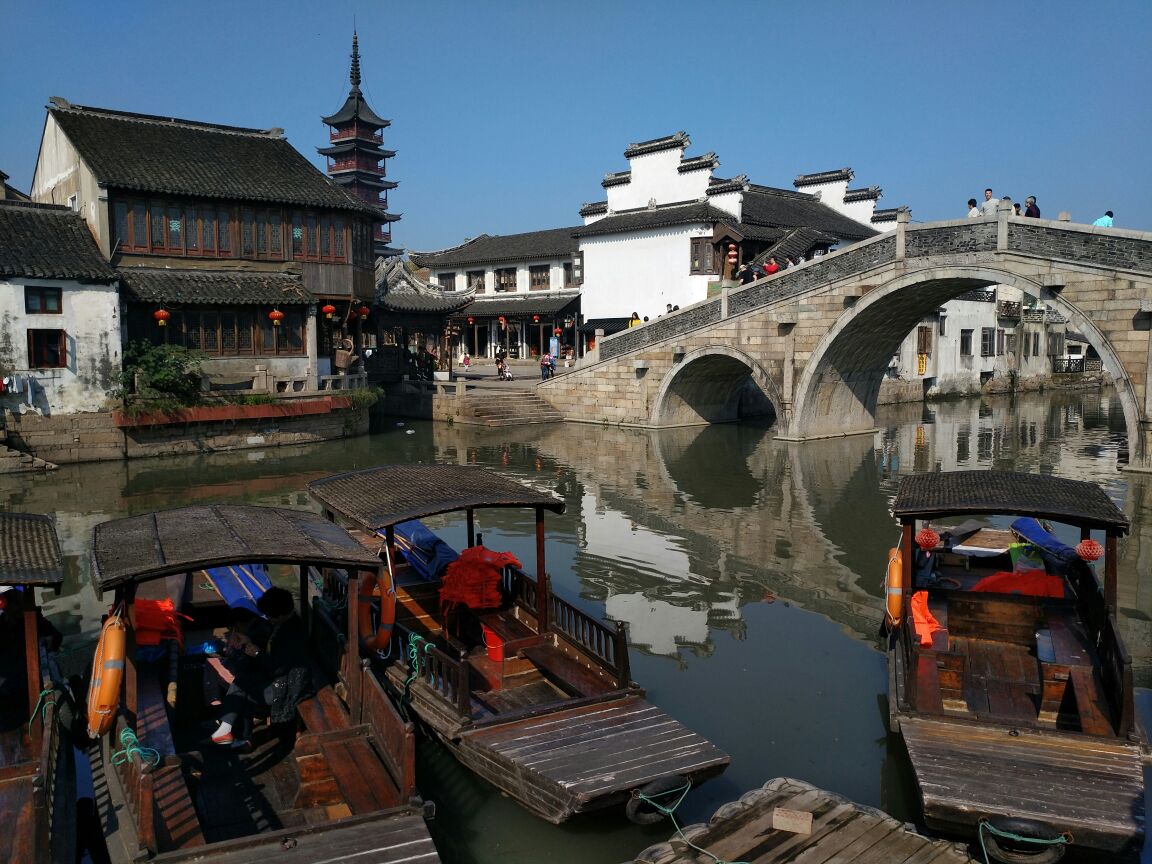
902 217
1003 211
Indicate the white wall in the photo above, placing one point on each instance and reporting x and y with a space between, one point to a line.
655 176
640 272
90 318
60 174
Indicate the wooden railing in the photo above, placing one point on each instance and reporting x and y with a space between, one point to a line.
1116 672
444 674
136 781
396 738
608 647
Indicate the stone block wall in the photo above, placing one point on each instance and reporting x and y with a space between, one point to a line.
65 438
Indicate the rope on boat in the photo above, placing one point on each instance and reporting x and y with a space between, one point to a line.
986 826
132 748
416 645
669 812
47 697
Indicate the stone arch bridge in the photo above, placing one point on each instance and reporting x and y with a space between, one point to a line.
815 341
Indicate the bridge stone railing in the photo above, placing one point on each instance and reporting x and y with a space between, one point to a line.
1082 245
952 239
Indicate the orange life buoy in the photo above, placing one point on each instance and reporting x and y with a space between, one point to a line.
378 640
894 589
107 676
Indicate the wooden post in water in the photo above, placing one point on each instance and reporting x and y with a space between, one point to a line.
1110 572
32 662
623 666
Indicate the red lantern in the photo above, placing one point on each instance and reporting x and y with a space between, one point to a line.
927 539
363 312
1089 550
557 332
471 320
276 316
162 316
501 322
329 310
732 256
535 319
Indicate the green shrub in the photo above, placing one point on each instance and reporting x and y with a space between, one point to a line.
162 373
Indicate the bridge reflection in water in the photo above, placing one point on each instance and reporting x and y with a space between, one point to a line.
748 570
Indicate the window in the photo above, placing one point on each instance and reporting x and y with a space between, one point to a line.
42 301
569 275
578 268
224 229
506 279
965 343
1010 343
247 232
476 280
1075 350
1036 344
447 281
999 343
139 225
1027 344
47 349
338 239
191 234
923 340
175 230
942 326
297 235
229 332
539 278
987 341
702 262
1055 344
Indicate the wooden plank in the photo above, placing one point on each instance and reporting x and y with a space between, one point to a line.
567 671
1090 703
18 839
324 711
178 825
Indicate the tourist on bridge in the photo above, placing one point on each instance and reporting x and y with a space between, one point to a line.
1104 221
772 267
988 208
634 321
1031 210
973 210
545 367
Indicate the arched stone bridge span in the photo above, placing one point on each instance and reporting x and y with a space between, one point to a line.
813 343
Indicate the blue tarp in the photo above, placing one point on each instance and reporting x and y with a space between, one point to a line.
240 585
1057 557
424 551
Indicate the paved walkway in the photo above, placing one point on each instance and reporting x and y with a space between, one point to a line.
482 375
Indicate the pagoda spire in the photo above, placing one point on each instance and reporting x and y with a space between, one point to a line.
354 74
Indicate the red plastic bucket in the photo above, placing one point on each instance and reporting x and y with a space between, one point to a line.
493 644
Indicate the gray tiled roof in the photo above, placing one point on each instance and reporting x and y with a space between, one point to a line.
697 163
214 287
531 246
679 140
518 304
657 217
400 290
886 215
872 193
783 208
796 242
144 153
595 208
616 178
608 325
48 242
823 177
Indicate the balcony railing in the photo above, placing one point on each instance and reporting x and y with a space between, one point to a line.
357 132
1063 365
1008 309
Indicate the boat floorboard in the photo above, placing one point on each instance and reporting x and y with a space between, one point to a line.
841 833
567 760
1090 786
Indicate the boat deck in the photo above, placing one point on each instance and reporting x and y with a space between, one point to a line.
1090 786
766 827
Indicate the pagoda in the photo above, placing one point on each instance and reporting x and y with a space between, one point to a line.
356 158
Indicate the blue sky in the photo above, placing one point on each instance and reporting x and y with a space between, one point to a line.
506 115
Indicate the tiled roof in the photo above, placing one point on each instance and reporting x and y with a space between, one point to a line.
48 242
145 153
617 178
736 184
518 304
887 215
608 325
657 217
367 148
823 177
531 246
354 106
680 140
594 209
400 290
782 208
797 242
214 287
872 193
697 163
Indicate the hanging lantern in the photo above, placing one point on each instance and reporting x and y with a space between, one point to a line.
732 255
471 320
557 332
329 310
276 316
162 315
535 319
501 322
363 312
927 539
1090 550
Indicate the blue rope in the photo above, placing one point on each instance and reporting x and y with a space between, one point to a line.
132 748
985 825
416 642
669 812
47 697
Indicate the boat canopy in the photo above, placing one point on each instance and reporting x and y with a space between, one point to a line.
29 550
167 542
378 498
956 493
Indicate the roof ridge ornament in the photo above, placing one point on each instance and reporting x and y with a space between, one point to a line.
354 72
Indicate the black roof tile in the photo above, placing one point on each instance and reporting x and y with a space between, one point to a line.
594 209
679 140
616 178
214 287
657 217
46 241
872 193
398 289
533 245
518 304
145 153
823 177
785 209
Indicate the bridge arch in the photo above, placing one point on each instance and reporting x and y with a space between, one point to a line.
714 384
837 390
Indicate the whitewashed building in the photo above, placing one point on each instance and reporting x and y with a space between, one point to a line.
60 348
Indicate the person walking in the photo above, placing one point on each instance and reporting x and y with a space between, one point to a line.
545 366
988 208
1104 221
1030 209
973 210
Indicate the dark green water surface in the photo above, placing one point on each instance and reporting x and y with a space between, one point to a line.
749 571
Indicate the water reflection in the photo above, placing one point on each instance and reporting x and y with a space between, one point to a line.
748 569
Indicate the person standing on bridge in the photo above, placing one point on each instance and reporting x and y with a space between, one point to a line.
1031 210
772 267
1104 221
988 208
973 210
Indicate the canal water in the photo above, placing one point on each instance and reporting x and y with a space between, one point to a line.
748 569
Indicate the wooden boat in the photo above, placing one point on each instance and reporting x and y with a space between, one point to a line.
1014 693
37 773
337 785
531 693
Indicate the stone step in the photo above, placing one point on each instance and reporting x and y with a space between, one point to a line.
16 462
